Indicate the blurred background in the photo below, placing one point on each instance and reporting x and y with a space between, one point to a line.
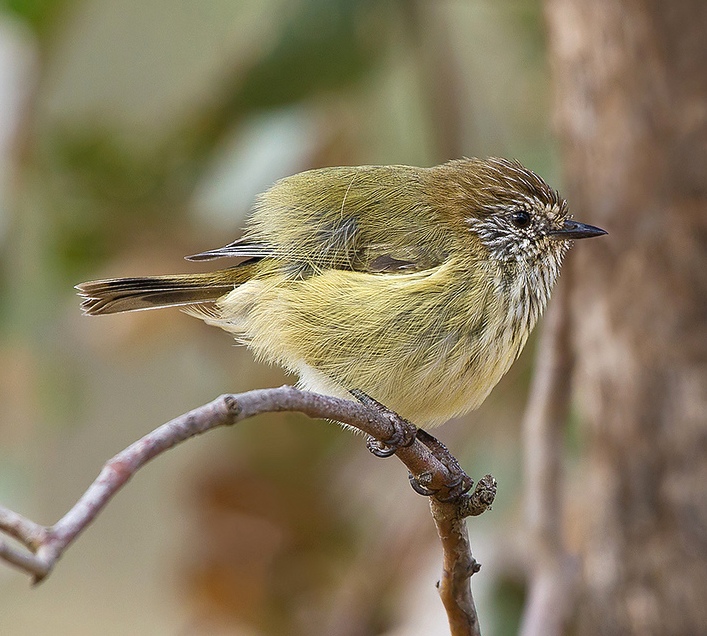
139 131
134 132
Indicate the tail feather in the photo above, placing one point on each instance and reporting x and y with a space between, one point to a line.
118 295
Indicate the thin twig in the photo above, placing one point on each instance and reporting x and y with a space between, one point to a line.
458 563
439 473
553 574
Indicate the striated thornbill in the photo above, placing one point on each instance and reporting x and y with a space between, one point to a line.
417 286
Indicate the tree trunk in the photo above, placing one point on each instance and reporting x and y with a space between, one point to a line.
631 107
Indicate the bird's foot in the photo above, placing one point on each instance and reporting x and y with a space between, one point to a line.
404 434
459 483
403 431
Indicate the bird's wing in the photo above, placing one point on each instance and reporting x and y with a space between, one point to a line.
372 219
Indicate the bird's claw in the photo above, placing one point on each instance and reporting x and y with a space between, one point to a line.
459 484
455 488
404 432
419 487
380 449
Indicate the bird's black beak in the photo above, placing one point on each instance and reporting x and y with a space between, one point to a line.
572 230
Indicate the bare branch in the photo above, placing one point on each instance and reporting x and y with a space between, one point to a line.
430 464
553 577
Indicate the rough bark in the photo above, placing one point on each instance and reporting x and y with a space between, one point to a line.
631 108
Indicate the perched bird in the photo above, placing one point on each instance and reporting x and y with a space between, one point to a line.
417 286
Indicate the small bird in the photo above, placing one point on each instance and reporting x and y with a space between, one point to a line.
416 286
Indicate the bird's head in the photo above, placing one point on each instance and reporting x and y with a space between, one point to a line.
516 216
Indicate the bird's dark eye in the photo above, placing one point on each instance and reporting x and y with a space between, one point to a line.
520 219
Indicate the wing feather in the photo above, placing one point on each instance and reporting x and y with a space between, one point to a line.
371 219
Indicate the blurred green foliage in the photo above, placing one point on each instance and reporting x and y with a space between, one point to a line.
41 15
324 45
104 191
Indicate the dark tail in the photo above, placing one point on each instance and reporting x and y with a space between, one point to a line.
153 292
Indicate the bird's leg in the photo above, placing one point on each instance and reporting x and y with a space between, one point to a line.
459 483
404 434
403 430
